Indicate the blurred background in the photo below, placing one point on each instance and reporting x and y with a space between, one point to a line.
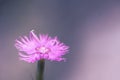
90 27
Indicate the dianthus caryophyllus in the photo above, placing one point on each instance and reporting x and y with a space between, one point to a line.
34 48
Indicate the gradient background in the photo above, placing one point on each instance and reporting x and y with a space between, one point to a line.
90 27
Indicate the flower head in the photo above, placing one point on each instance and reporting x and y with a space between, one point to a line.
35 48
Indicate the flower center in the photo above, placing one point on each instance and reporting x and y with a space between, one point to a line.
42 49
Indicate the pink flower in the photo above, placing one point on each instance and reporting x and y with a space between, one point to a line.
43 47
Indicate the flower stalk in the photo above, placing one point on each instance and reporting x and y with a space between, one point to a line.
40 70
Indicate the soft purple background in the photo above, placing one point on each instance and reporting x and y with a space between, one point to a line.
90 27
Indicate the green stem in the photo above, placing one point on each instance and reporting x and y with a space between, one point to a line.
40 69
